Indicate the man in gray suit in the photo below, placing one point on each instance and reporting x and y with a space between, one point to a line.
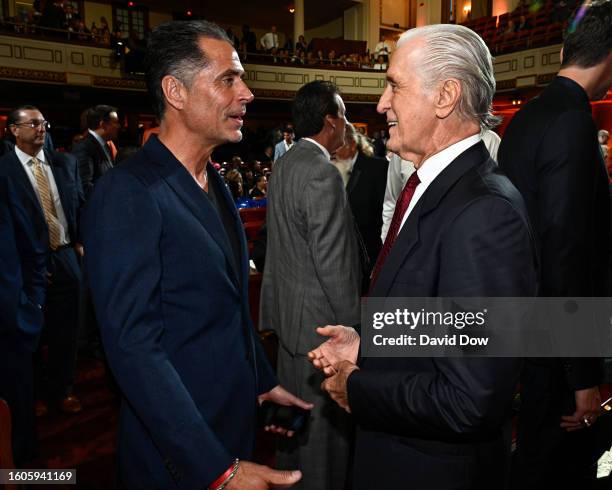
312 277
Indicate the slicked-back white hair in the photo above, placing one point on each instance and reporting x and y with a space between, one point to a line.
454 51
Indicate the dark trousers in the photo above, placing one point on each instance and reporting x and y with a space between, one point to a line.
60 332
17 389
547 456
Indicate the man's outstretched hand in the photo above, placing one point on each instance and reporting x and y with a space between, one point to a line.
281 396
251 476
342 345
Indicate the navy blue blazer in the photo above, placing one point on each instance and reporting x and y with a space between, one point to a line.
438 421
22 272
66 175
174 317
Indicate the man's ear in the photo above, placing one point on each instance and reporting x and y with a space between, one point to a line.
447 98
13 130
331 121
174 91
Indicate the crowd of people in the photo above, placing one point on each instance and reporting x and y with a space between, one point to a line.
60 20
153 249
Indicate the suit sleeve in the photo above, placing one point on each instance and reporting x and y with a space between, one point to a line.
277 151
487 252
332 242
22 270
567 173
122 230
86 169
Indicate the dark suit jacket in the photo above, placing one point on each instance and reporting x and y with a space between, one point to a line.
550 152
66 174
366 194
23 258
174 317
93 162
434 423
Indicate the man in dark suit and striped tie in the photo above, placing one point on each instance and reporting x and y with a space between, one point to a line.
47 186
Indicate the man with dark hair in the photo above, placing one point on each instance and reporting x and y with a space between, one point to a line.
312 276
550 152
93 153
167 259
287 142
47 185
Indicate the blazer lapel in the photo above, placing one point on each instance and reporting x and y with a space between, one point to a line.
408 236
406 240
60 182
354 178
229 202
23 181
179 179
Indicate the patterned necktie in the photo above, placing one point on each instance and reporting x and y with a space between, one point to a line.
400 209
46 199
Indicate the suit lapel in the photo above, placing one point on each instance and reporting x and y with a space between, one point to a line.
60 182
229 202
22 180
102 152
408 236
354 178
179 179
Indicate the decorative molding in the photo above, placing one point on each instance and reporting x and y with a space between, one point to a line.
264 76
289 94
119 83
42 60
294 78
506 85
77 58
347 81
528 81
32 75
502 67
37 54
6 50
545 79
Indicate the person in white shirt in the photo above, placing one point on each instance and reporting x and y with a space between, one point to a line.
383 48
269 40
287 142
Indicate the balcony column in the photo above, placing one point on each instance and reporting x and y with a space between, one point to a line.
298 20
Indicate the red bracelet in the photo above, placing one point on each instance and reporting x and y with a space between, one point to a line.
219 481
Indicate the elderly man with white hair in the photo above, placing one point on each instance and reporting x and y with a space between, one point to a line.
459 229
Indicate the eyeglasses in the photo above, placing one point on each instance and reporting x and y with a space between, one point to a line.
35 124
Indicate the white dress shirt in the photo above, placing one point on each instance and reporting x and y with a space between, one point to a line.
28 166
345 167
269 40
397 176
434 165
323 149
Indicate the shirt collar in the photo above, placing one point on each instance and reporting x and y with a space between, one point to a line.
434 165
26 159
323 149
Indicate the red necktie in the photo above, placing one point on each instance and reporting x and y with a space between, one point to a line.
400 209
